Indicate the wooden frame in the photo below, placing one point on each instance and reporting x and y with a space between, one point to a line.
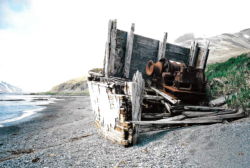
117 94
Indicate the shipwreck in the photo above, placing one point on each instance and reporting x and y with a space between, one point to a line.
147 83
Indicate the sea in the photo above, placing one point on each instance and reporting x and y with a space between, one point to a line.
16 108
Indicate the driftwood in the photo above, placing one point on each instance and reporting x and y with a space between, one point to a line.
202 108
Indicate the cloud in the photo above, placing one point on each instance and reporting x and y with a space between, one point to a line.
46 42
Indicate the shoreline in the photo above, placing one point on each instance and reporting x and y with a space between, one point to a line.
31 113
64 135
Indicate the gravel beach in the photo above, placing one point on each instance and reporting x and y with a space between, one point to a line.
64 135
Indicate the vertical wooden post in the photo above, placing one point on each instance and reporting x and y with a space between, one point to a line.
129 48
162 47
113 53
204 56
193 53
109 52
137 92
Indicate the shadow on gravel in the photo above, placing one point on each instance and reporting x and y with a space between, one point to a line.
147 137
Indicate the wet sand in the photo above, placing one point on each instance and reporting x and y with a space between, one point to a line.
64 135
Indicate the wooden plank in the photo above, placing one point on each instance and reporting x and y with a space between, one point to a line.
144 49
176 122
165 96
203 56
137 91
113 53
162 47
177 53
176 118
129 49
151 97
192 114
203 108
107 50
159 114
193 53
121 41
217 102
221 117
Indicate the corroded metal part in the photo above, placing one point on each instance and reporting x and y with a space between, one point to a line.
178 80
153 68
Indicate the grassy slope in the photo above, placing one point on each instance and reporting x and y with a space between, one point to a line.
66 87
230 78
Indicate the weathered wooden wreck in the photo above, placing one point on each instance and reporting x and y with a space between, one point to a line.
122 100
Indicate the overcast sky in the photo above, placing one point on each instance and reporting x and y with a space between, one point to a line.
46 42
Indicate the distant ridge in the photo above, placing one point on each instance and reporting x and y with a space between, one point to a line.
8 88
222 47
76 85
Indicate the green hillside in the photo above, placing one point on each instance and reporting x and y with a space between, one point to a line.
230 78
73 86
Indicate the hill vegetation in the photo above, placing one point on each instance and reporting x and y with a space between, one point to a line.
77 86
230 78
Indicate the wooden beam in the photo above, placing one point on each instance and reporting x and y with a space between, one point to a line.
162 47
176 118
217 102
151 97
203 56
137 92
113 53
192 114
193 53
203 108
165 96
129 48
177 122
220 117
108 59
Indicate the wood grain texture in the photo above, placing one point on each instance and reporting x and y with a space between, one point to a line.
193 53
137 92
177 53
203 108
165 96
162 47
144 49
128 54
160 122
121 41
107 50
203 56
113 53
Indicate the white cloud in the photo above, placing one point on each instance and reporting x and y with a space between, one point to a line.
53 41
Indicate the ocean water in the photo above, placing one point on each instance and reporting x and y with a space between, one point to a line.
13 110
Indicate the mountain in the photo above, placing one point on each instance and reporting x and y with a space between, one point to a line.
222 47
8 88
76 85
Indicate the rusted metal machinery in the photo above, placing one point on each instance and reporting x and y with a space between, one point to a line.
177 79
